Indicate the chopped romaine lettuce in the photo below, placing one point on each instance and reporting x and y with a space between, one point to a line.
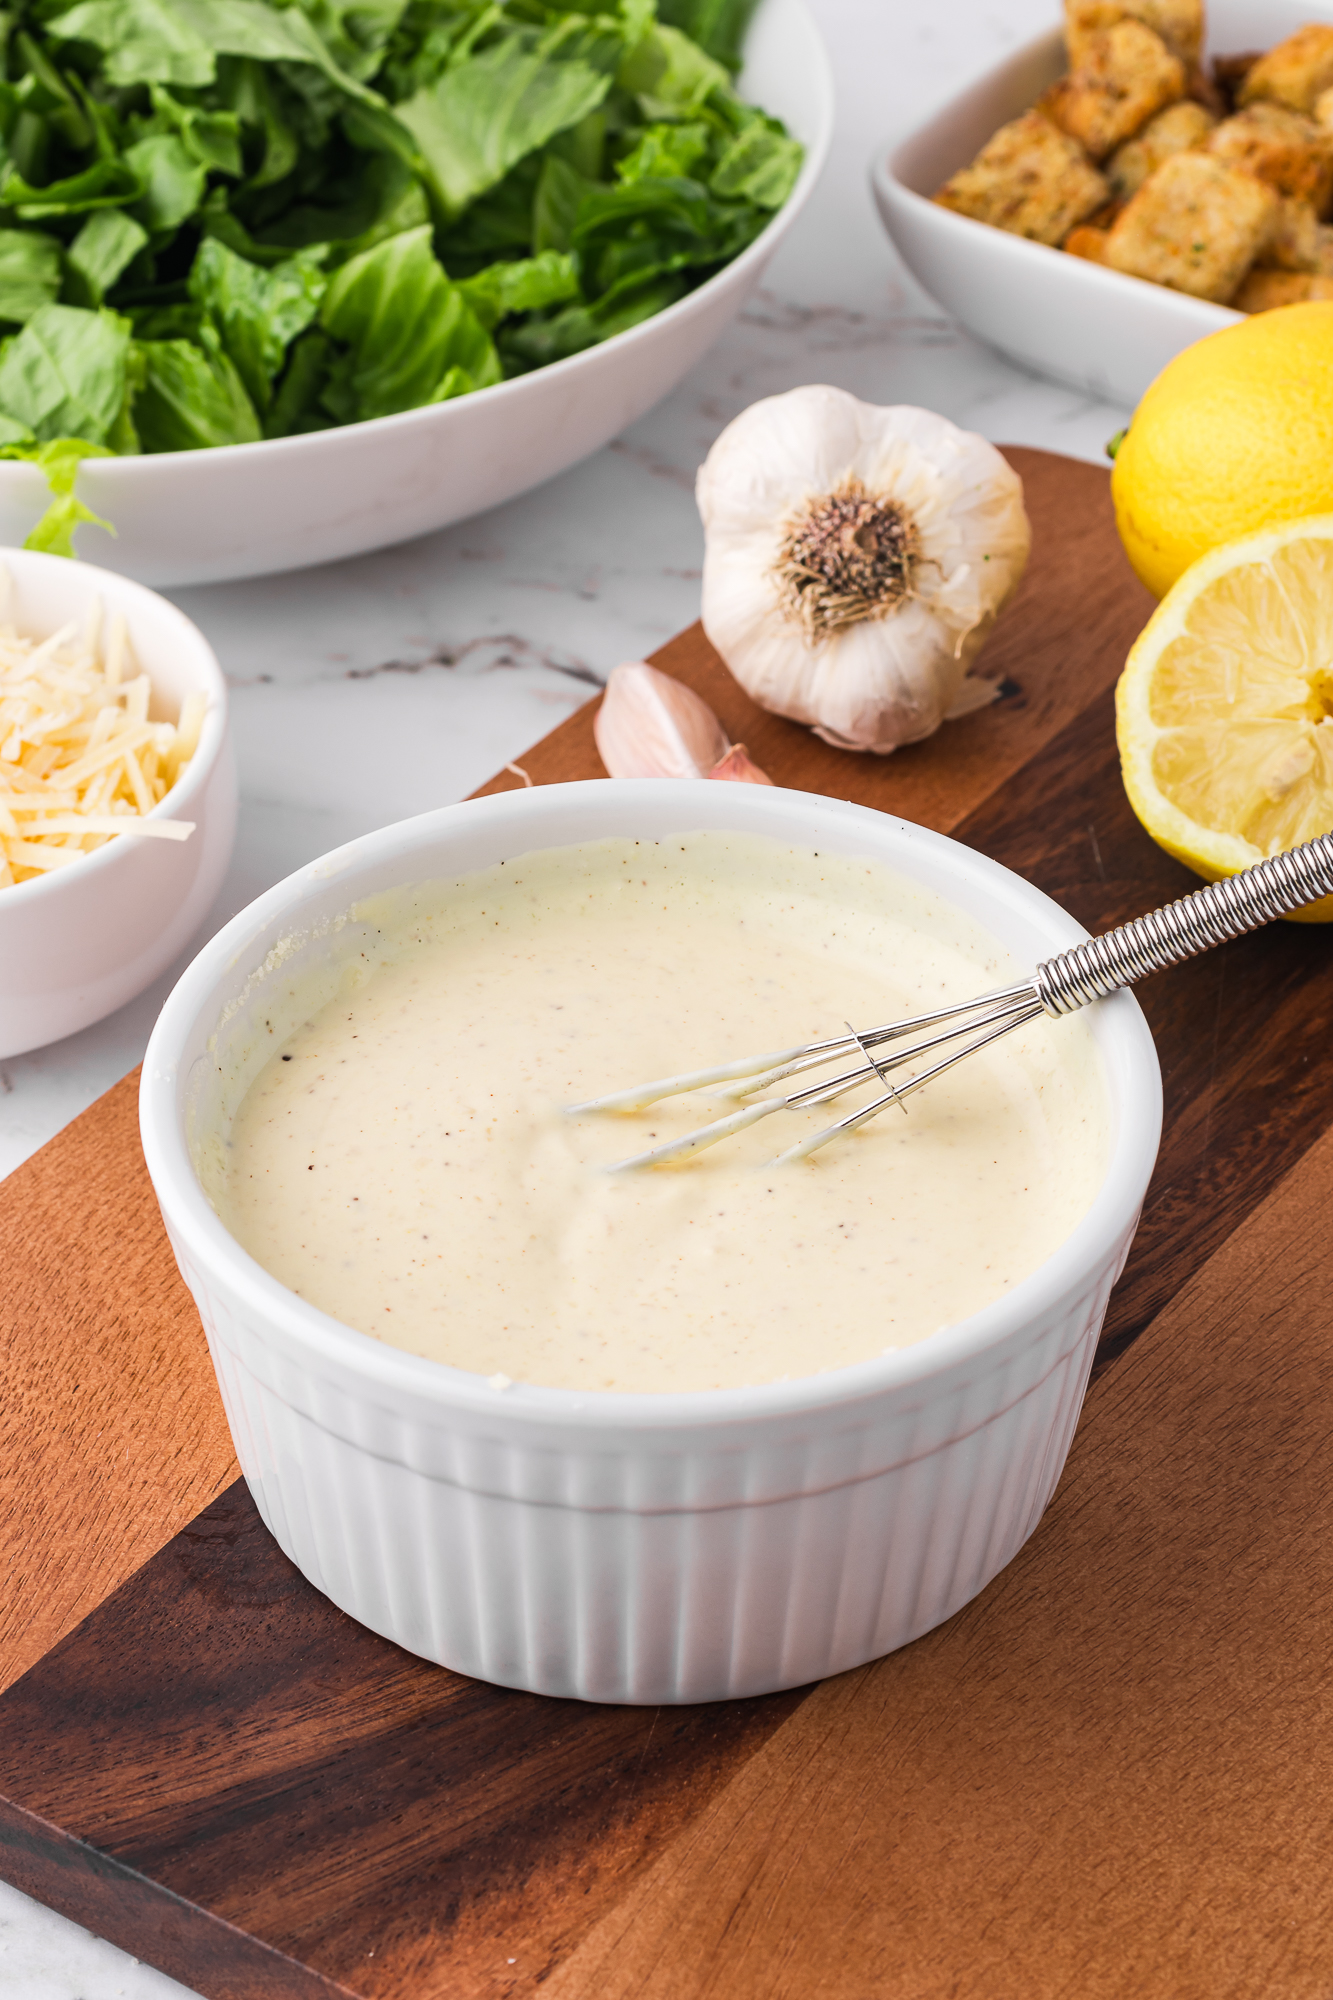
230 219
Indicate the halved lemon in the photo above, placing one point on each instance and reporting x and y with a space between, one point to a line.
1224 712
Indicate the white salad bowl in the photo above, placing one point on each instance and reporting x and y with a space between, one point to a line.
1098 330
616 1547
79 942
247 509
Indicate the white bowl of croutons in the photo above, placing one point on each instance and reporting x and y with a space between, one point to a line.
1110 206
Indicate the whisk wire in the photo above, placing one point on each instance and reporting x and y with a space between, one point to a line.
804 1147
881 1069
1091 971
984 1011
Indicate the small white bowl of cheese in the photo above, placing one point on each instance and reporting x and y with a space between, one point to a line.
82 932
681 1435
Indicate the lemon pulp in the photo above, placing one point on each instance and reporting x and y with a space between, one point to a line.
1224 712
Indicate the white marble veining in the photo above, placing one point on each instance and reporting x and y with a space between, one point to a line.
382 686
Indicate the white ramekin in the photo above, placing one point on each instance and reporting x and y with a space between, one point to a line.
81 941
649 1548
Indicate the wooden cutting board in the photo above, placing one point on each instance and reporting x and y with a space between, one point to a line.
1111 1774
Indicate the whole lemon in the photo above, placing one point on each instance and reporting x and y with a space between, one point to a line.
1235 435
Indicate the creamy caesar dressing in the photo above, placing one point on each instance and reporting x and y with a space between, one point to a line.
404 1162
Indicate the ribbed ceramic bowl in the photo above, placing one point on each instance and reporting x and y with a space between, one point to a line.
78 943
632 1548
246 509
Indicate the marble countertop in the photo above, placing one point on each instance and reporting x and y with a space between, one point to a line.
395 682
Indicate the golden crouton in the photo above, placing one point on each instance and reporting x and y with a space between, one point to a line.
1295 241
1295 72
1179 23
1124 75
1029 179
1280 146
1196 225
1087 242
1323 110
1263 290
1171 131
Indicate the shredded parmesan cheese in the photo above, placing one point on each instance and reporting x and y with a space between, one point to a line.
80 762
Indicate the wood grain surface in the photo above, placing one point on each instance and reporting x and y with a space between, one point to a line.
111 1428
1107 1776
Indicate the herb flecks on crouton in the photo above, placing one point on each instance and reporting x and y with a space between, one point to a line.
1195 225
1029 179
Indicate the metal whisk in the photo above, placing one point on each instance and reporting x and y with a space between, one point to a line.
1181 930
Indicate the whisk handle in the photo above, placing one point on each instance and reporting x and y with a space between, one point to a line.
1183 929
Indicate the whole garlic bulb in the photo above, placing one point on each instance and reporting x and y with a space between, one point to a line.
855 560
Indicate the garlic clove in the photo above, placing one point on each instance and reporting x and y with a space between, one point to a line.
972 695
739 768
651 726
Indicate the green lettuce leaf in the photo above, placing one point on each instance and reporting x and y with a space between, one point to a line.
60 460
379 198
485 114
30 273
430 38
257 313
172 180
192 396
666 152
500 224
179 41
536 342
216 218
645 229
555 209
65 374
105 184
213 138
719 26
268 34
144 41
247 89
760 164
106 246
405 328
43 90
670 75
529 284
355 32
297 406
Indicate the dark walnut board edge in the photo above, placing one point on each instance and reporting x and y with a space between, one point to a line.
1103 1776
